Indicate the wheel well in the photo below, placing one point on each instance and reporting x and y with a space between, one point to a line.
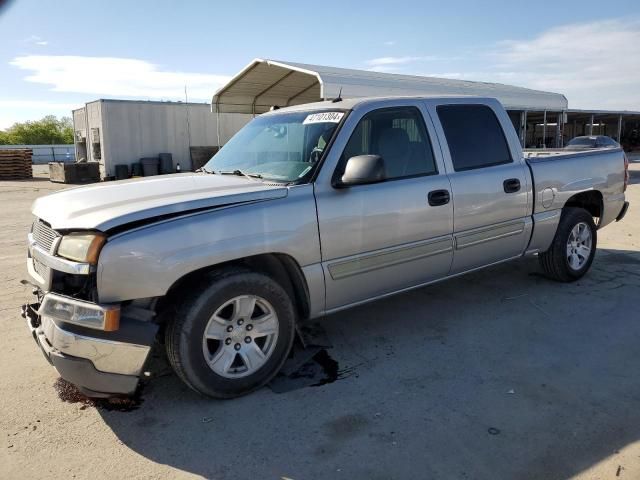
591 201
280 267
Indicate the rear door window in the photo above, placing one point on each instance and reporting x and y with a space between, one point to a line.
474 135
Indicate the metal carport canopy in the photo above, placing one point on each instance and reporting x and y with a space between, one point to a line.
264 83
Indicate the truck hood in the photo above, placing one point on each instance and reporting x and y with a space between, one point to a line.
112 204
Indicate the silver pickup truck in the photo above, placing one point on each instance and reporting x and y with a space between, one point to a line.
306 211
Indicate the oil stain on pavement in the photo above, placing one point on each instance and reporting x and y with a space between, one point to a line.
69 393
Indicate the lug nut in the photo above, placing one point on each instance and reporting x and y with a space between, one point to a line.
247 339
230 328
227 341
249 327
237 346
240 322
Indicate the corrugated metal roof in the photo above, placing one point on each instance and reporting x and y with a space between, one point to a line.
264 83
604 112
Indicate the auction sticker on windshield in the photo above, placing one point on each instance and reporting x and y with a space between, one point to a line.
323 117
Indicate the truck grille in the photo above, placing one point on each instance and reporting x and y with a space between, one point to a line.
43 234
41 269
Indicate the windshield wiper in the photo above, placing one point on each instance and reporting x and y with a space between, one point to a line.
240 173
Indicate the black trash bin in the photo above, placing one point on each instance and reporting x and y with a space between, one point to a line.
166 163
136 170
150 166
122 172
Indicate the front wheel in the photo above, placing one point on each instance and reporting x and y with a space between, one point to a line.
233 335
573 248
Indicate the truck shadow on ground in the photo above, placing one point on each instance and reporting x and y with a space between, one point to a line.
497 374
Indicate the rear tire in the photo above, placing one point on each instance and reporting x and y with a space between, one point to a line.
571 253
232 335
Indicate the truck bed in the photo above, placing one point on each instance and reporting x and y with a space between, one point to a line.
557 153
558 175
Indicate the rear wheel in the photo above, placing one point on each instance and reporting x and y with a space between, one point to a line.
573 247
232 336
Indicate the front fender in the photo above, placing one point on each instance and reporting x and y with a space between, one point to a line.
146 262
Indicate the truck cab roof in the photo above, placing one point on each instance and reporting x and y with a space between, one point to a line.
355 103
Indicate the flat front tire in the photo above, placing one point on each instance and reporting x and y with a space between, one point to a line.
571 253
232 335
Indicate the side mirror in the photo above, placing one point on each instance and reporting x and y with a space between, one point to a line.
362 170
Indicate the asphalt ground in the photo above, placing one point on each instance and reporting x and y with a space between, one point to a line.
496 374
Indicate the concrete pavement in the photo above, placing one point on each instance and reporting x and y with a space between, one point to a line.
497 374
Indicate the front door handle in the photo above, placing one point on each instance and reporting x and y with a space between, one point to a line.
439 197
511 185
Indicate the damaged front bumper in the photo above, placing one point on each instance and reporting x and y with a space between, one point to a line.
98 363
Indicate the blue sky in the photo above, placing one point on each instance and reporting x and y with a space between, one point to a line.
55 56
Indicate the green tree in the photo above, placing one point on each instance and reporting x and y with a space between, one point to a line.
5 139
47 131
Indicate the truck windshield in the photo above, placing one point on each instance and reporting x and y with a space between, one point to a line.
282 147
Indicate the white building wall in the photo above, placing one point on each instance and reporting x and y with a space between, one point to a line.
95 153
133 130
79 117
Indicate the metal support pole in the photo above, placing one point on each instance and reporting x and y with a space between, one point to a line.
619 128
523 119
558 131
524 133
544 130
533 135
218 125
591 126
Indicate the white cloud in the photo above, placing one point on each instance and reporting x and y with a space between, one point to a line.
36 40
395 64
389 43
596 65
374 62
118 77
12 111
38 105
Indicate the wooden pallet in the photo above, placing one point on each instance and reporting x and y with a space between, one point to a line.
14 169
16 164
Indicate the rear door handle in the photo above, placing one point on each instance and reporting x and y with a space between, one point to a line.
439 197
511 185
